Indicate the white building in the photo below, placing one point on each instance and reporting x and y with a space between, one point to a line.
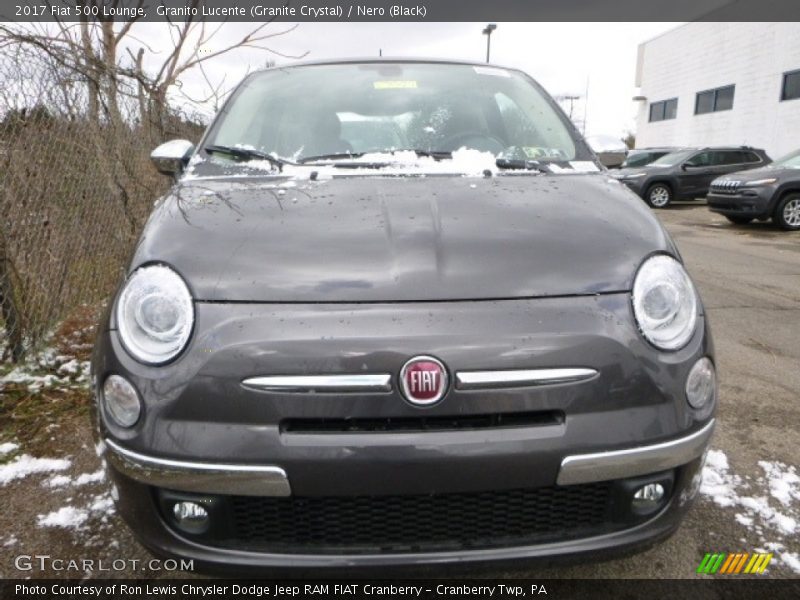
714 84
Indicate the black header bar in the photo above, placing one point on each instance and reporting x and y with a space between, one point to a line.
439 589
400 10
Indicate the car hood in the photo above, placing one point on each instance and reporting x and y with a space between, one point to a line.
384 239
780 173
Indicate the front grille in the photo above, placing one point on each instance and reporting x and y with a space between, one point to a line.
412 523
726 187
429 423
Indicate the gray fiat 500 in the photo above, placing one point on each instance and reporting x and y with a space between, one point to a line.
395 313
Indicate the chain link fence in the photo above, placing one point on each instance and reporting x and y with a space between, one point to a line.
76 186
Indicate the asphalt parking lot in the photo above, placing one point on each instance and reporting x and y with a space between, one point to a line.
749 277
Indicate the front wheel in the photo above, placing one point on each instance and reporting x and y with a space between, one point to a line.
658 195
787 213
739 220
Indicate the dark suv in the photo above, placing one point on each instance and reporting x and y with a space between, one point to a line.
688 173
773 191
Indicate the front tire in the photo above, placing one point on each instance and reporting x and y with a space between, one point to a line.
787 213
659 195
739 220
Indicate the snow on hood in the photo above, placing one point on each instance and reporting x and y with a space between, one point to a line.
464 161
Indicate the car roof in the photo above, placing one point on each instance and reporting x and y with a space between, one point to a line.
731 148
386 59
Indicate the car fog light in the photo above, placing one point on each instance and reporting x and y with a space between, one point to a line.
648 497
191 517
121 401
189 512
701 385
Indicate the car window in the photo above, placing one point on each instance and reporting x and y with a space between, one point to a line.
374 107
751 157
701 159
727 157
673 158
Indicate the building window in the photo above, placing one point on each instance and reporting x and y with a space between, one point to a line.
666 109
791 85
714 100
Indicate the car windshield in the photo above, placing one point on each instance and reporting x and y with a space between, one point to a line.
336 112
790 161
672 159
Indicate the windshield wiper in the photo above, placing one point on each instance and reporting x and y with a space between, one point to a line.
436 154
333 156
245 154
528 165
340 156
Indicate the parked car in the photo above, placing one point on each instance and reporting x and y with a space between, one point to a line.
639 157
444 353
769 192
687 174
611 151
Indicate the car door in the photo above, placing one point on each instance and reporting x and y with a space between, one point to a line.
693 175
721 162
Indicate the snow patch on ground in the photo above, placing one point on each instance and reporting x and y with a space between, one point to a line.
791 560
75 517
26 465
784 482
48 369
70 374
67 517
769 504
57 481
7 448
95 477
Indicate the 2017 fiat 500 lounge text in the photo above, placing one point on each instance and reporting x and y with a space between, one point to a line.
394 312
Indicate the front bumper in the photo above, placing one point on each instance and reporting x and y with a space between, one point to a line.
271 480
204 433
635 185
756 203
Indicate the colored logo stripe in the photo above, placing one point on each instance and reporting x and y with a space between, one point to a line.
733 564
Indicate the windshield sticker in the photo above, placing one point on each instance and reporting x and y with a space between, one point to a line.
492 71
584 166
394 85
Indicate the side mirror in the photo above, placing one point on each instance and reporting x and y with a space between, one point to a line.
171 157
686 166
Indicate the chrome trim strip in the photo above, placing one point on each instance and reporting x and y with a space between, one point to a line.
321 383
604 466
209 478
473 380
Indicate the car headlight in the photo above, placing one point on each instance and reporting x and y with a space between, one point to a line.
634 176
155 314
759 182
664 302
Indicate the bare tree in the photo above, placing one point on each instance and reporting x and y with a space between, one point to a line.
81 105
110 57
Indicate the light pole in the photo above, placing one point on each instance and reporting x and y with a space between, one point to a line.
487 31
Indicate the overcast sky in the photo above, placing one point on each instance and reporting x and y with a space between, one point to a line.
563 57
